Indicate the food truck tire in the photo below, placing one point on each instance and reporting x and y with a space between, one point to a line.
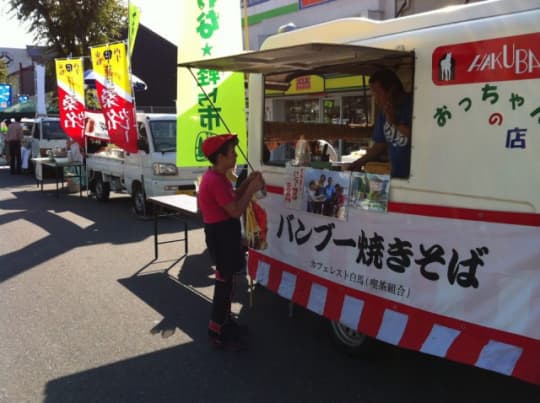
349 340
102 189
140 206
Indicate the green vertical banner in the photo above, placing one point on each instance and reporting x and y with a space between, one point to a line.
208 29
134 17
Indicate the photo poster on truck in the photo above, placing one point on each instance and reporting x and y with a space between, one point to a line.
369 191
96 127
318 191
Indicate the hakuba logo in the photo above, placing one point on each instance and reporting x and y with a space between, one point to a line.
69 67
447 67
519 60
508 58
201 136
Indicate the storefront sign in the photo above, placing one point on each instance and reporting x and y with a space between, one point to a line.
5 96
309 3
303 83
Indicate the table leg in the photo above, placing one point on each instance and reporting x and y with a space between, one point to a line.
38 173
156 214
186 238
79 171
56 177
251 288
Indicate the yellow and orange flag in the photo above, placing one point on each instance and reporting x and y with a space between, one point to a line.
69 76
113 86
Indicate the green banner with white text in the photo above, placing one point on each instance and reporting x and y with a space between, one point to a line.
209 29
134 17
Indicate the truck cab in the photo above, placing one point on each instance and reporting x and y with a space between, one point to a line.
47 134
151 171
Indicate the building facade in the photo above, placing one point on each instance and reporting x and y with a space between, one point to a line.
154 58
20 69
266 17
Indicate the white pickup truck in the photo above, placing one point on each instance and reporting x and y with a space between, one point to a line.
152 171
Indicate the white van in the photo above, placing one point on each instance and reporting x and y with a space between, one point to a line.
47 134
449 264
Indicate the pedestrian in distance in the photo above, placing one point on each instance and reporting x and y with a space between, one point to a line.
14 137
3 143
221 207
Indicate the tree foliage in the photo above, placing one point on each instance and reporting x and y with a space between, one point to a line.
70 27
3 72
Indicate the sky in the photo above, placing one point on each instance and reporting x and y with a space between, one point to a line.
161 16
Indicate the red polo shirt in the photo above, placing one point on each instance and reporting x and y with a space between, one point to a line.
215 191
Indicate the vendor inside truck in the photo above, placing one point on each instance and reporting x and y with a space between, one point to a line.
392 131
331 101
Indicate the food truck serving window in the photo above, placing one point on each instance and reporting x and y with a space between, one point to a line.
319 93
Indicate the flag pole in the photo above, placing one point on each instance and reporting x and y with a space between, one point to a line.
130 74
246 26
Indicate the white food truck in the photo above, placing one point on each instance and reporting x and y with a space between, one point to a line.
150 172
445 261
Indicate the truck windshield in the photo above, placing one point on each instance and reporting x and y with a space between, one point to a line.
164 135
53 131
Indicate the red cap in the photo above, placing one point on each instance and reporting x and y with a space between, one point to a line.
213 143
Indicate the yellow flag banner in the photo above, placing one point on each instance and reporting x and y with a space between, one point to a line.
69 76
114 93
208 29
134 18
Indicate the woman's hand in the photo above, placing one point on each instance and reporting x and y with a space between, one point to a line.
357 165
256 182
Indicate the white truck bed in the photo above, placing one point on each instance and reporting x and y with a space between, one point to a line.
107 162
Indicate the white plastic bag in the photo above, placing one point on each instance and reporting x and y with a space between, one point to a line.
302 153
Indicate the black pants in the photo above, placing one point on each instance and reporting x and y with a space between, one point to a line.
15 156
224 243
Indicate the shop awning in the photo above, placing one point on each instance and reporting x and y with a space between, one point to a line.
284 64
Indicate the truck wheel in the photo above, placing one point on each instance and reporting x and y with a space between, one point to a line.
102 189
138 197
348 339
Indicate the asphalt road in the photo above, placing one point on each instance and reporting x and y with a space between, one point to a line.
86 315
